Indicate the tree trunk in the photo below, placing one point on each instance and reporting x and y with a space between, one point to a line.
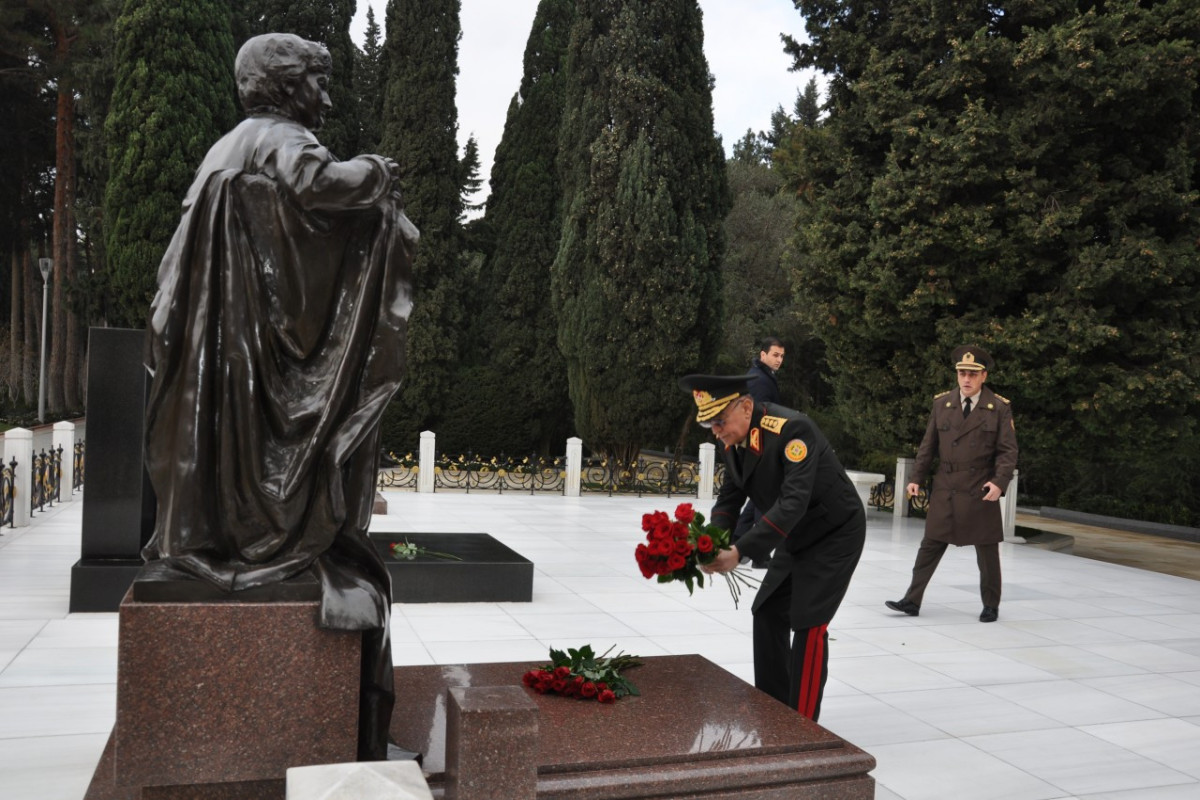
16 323
64 223
33 315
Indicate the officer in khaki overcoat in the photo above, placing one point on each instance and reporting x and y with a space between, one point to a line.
971 433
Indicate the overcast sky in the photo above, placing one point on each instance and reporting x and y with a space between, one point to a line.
741 42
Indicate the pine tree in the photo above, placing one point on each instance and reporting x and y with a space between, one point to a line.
1021 176
173 99
420 126
636 280
326 22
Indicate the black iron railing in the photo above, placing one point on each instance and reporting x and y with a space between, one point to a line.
500 473
8 493
883 497
77 467
45 485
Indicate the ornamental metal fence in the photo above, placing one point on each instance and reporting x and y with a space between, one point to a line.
8 493
883 497
649 473
77 467
46 480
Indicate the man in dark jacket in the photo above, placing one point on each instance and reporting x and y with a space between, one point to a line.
763 385
971 432
764 388
812 517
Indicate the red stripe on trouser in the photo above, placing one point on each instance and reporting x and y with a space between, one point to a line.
810 672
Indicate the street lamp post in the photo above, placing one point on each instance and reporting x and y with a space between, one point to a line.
46 265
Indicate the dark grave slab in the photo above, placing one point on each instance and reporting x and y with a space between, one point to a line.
695 731
119 504
488 572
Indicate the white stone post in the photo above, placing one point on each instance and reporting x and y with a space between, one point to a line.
428 455
708 461
64 437
904 468
1008 509
18 444
574 466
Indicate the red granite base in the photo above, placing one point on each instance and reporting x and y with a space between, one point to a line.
225 697
695 731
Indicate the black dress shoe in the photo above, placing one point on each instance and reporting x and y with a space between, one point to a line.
990 614
904 607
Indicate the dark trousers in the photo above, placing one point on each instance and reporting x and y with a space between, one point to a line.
930 553
792 668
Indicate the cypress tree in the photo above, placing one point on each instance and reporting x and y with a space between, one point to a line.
368 69
173 98
636 279
515 332
420 126
1023 176
327 22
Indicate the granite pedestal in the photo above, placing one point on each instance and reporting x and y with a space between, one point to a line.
217 697
696 731
488 572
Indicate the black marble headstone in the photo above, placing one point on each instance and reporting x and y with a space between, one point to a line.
118 506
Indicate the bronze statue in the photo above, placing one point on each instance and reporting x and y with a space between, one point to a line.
276 340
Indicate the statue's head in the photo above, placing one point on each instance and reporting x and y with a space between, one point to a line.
282 73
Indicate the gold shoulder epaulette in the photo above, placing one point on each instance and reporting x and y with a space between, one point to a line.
943 394
772 424
1004 400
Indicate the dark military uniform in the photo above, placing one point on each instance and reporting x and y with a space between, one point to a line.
972 449
814 521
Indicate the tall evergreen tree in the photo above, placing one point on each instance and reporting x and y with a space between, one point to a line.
636 280
1022 175
327 22
420 127
514 334
173 99
368 71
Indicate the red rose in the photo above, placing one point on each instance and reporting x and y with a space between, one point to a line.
685 513
704 544
683 547
647 522
588 689
559 684
606 696
562 672
676 562
679 531
529 678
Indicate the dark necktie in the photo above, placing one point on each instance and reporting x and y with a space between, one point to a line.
966 407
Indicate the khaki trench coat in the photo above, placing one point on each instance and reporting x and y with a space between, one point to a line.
970 452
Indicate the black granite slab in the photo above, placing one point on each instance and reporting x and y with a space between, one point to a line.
119 505
488 572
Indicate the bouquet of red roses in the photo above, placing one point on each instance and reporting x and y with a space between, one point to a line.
675 549
583 675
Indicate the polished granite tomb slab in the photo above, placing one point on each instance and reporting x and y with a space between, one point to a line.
695 731
488 572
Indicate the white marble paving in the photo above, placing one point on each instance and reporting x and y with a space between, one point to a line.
1088 687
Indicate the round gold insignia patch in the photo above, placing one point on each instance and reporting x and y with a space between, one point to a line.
796 451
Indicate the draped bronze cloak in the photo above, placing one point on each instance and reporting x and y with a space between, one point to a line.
276 339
